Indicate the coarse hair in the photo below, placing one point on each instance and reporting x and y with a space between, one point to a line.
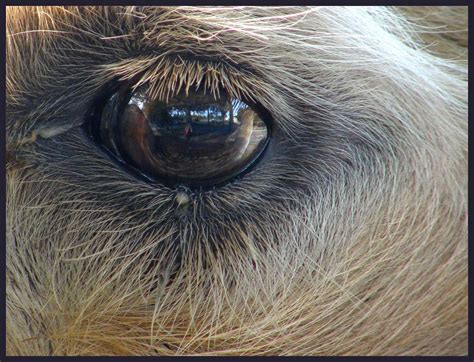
348 238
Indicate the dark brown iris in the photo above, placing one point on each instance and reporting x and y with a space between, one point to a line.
196 139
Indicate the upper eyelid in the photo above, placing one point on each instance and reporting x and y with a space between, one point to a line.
167 75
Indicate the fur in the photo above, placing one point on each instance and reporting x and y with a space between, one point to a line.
348 238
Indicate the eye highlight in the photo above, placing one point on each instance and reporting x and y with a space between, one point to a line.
196 139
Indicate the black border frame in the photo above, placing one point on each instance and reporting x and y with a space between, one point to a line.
3 357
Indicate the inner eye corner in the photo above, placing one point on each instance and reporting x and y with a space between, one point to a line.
200 141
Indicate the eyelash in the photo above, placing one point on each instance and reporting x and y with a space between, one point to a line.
169 75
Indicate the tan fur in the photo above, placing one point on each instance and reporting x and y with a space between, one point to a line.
350 238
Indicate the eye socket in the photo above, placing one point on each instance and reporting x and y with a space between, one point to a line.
198 139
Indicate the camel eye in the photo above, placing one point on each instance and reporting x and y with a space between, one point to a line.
196 139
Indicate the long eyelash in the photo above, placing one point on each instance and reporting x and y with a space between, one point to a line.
168 76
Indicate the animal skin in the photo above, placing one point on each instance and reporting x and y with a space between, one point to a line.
349 236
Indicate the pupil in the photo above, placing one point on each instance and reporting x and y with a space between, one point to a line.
195 139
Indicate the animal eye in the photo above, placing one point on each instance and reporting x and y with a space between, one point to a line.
196 139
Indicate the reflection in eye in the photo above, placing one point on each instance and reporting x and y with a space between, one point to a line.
196 140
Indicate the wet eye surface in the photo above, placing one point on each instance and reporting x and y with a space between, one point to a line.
198 139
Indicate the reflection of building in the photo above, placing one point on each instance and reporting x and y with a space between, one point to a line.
198 108
226 134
